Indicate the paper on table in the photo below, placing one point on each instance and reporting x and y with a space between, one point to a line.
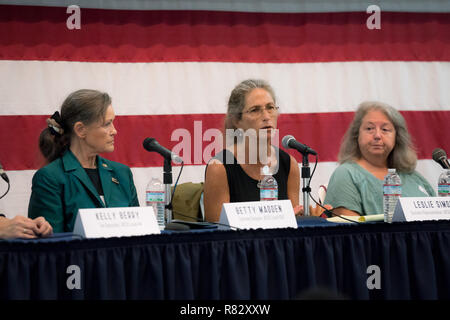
369 218
373 217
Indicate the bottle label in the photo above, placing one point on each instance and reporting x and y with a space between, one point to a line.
155 196
267 194
392 189
444 189
156 199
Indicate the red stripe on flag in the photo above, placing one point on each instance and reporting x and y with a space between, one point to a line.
321 131
40 33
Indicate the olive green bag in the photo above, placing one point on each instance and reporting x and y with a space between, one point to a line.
186 202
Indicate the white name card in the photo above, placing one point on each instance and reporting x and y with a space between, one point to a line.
115 222
258 214
422 208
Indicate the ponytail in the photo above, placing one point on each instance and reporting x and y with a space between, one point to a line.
83 105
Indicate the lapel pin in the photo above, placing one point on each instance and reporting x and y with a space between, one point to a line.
105 165
115 180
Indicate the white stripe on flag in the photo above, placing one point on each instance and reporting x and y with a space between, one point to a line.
193 87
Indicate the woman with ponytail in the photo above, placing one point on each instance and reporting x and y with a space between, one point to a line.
76 177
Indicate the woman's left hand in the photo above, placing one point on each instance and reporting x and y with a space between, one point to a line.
44 229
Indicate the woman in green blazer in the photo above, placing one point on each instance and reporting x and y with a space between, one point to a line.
76 176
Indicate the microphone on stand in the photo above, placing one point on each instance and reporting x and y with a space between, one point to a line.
440 157
289 142
150 144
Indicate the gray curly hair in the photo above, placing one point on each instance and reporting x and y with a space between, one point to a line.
403 156
236 102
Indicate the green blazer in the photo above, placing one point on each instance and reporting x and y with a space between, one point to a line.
63 186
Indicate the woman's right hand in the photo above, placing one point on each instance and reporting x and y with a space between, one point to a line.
18 227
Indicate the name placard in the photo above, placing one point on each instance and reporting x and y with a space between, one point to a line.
258 214
115 222
422 208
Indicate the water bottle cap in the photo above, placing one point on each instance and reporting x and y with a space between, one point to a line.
391 170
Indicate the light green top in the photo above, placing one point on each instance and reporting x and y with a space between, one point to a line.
355 188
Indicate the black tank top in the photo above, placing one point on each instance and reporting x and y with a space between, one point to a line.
244 188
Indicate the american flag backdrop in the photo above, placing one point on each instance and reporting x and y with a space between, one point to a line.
170 66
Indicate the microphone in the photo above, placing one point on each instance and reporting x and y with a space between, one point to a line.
3 174
150 144
290 142
440 157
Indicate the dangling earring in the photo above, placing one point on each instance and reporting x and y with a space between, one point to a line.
240 133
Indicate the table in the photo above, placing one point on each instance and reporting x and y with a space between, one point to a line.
413 260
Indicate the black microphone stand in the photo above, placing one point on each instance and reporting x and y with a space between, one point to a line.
167 180
306 176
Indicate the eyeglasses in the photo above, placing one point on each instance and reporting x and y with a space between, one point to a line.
257 111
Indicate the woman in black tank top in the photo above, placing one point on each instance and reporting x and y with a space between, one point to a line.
233 174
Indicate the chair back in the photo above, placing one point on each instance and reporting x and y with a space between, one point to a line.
186 202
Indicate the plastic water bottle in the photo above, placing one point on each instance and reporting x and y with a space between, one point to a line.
444 184
392 191
155 197
268 186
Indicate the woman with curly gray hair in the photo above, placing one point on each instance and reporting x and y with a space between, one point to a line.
376 140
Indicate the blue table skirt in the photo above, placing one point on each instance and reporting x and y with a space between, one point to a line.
414 260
